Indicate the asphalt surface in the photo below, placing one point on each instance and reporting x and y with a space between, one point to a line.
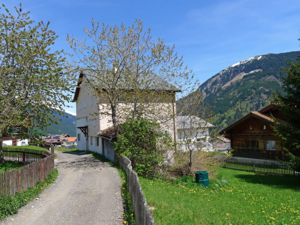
87 191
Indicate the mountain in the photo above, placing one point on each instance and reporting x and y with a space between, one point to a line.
67 125
244 86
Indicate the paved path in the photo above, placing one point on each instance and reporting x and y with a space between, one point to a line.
87 191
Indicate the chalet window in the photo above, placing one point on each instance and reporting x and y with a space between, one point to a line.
78 137
250 127
94 123
270 145
97 141
91 100
264 127
91 140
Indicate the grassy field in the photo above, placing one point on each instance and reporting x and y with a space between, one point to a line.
30 147
237 197
66 149
9 165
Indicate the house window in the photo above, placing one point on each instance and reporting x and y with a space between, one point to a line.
94 123
78 137
97 141
84 103
91 140
79 105
270 145
250 127
91 100
121 99
264 127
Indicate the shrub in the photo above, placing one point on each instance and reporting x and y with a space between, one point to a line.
201 161
142 142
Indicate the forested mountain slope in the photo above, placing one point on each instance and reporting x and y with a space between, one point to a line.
67 125
244 86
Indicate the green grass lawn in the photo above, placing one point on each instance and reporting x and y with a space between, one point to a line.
237 197
30 147
10 165
66 149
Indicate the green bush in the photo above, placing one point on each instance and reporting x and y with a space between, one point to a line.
142 142
9 205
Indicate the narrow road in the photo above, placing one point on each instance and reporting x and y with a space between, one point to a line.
87 191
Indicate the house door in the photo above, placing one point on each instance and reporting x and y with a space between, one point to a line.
109 151
14 142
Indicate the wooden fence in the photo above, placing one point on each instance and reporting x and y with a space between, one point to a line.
141 210
19 180
259 166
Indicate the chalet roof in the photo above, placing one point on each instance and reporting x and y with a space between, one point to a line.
255 114
151 82
266 108
190 122
223 139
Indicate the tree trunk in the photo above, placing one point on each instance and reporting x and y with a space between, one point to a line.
134 110
114 119
191 159
1 150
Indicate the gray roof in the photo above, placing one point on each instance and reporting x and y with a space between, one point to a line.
149 81
192 122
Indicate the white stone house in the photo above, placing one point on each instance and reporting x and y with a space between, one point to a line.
94 127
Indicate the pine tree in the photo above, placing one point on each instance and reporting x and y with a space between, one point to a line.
289 104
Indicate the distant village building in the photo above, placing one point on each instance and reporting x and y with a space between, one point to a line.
69 141
221 144
195 129
11 138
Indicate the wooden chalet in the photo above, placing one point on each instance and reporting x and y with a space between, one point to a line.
252 136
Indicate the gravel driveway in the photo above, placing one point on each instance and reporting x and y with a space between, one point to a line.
87 191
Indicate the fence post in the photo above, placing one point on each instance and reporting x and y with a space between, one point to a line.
52 149
253 167
43 170
19 176
23 156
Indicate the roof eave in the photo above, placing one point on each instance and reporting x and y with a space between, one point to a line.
226 129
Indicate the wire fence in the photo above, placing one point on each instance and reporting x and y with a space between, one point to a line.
260 166
24 155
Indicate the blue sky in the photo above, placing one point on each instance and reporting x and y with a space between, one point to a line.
211 35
